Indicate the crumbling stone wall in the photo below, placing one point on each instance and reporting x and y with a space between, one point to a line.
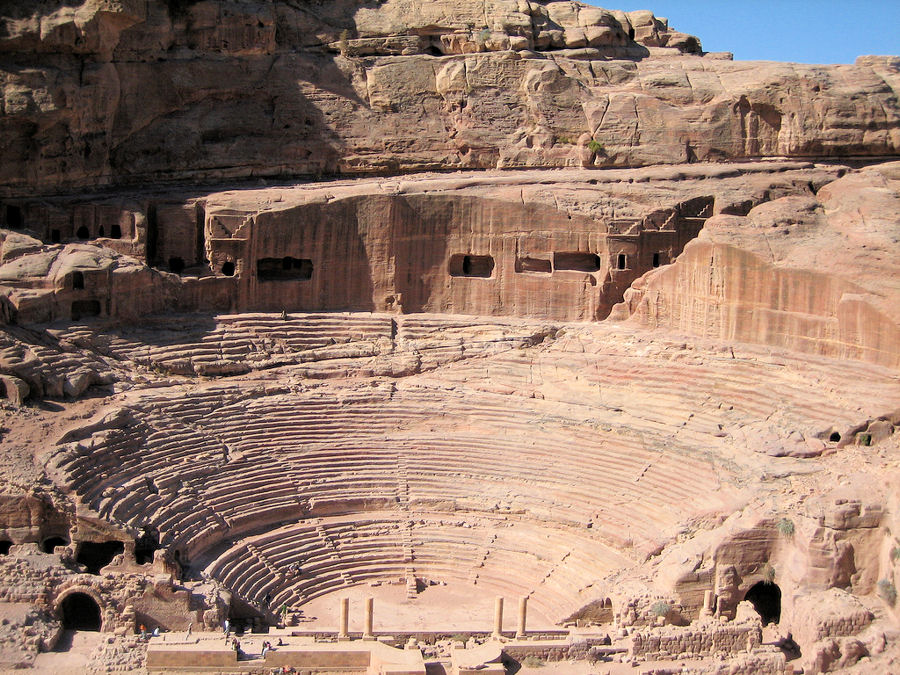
828 614
44 580
701 639
548 652
759 663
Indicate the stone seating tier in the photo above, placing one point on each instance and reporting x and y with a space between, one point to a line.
348 550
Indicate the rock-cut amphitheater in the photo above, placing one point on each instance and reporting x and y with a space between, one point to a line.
384 337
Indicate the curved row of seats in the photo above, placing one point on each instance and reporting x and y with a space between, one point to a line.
229 344
259 459
588 430
203 344
302 561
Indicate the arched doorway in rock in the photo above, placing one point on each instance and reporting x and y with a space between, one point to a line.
79 611
766 600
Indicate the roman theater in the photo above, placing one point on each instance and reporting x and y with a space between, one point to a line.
413 338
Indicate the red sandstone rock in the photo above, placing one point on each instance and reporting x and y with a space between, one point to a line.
121 93
400 393
811 273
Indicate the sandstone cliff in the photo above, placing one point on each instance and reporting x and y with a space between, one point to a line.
812 273
112 92
398 377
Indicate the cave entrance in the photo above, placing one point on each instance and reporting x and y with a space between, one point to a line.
96 556
80 612
51 543
14 219
5 546
146 545
766 600
577 261
83 308
176 265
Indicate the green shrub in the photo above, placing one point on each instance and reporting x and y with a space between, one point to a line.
895 553
660 608
344 42
595 146
768 573
887 591
531 661
786 527
460 637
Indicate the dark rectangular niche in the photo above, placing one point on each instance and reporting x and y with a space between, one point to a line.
84 308
576 261
284 269
471 266
527 264
14 219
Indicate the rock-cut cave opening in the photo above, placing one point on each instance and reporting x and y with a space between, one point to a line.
96 556
766 600
50 543
80 611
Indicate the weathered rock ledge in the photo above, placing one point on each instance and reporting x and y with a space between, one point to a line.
122 93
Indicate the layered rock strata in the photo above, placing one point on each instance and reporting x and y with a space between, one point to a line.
657 402
113 93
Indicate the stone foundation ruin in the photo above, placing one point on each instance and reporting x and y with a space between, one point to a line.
442 337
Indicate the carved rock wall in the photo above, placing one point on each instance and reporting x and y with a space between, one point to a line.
807 274
444 254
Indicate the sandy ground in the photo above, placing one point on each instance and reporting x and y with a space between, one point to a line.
457 608
73 653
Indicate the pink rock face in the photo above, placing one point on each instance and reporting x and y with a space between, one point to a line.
79 281
457 253
814 275
213 90
560 246
431 377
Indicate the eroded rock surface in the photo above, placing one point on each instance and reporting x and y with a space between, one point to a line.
112 93
629 352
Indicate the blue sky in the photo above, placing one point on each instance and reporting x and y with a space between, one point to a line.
824 31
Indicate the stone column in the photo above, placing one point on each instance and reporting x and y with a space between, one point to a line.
344 630
523 611
498 616
370 613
